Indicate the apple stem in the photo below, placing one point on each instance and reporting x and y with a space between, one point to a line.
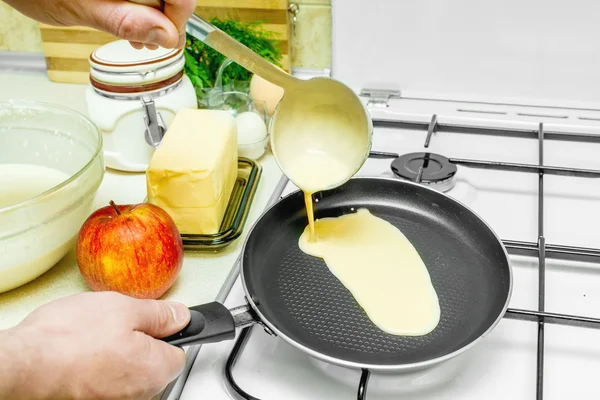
112 203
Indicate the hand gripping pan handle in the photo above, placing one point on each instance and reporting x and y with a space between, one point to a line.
212 323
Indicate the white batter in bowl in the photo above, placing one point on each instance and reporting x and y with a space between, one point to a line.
51 166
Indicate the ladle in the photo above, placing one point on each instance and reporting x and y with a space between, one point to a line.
320 100
316 117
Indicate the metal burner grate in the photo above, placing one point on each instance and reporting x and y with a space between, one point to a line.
539 250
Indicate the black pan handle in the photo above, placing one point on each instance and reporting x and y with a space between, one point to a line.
209 323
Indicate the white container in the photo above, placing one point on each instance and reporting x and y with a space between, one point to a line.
132 91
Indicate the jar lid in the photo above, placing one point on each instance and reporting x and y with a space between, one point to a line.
119 63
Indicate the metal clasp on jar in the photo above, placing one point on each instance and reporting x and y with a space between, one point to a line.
155 125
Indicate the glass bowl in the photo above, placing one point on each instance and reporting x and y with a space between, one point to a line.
51 166
234 102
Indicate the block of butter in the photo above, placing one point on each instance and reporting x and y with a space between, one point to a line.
192 173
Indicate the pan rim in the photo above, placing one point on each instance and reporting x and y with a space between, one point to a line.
378 367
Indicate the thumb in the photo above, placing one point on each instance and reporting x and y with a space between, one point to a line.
159 319
136 23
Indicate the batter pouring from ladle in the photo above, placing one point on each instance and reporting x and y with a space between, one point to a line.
371 258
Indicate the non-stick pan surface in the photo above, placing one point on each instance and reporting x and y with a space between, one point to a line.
300 299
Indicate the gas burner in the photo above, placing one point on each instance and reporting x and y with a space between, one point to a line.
428 169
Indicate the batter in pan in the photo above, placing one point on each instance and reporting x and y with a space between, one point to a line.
381 269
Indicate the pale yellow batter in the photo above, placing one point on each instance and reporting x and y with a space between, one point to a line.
19 182
310 214
381 269
320 172
320 138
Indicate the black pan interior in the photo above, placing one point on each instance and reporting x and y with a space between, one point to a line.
298 294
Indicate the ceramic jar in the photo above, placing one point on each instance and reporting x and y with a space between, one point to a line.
132 97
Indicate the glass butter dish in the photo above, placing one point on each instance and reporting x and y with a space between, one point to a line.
236 214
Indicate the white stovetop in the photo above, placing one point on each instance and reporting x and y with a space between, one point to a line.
503 366
202 275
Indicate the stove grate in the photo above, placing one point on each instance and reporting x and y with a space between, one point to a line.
539 250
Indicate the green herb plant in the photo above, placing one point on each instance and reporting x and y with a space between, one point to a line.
202 62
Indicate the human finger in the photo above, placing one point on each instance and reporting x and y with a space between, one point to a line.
159 318
164 362
181 41
137 23
179 11
137 45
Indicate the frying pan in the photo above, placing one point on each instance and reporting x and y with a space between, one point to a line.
296 297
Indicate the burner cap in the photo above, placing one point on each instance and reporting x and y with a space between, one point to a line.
438 171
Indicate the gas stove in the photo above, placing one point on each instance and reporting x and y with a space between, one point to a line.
536 184
496 105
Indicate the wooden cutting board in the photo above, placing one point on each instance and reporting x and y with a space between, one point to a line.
67 48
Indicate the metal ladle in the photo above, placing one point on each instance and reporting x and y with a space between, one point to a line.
300 98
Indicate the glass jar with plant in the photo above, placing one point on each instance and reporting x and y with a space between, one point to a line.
203 63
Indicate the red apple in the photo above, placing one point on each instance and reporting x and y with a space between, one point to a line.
132 249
